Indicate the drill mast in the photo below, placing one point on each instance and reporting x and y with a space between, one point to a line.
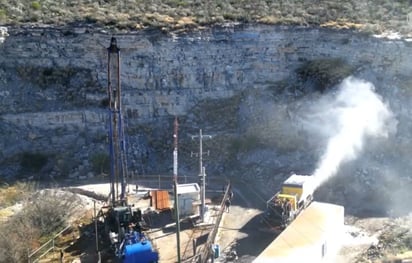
117 144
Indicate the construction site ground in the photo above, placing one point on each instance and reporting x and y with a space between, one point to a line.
79 244
163 228
239 230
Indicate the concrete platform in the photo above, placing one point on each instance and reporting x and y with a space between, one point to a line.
314 236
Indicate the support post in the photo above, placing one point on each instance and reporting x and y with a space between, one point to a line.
176 196
194 246
95 226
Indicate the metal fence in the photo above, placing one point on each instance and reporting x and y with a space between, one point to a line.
207 250
42 251
166 181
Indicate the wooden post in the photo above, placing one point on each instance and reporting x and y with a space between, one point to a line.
194 247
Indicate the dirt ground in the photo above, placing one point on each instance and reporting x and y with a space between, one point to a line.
377 239
240 228
162 232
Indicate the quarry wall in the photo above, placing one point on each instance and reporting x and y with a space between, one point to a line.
53 81
165 74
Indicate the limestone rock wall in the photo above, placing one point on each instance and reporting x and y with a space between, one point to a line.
52 81
167 74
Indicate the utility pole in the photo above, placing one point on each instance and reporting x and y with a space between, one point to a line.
202 173
176 196
95 226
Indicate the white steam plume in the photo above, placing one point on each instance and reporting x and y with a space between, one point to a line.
360 113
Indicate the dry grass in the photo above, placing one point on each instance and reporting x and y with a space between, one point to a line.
365 15
5 213
9 195
342 25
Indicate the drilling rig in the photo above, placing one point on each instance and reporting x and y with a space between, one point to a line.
282 208
123 222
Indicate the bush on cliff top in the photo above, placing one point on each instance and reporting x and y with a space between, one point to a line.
136 14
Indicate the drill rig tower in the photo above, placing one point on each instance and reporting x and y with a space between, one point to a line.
117 144
123 222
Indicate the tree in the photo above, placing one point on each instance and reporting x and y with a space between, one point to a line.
100 163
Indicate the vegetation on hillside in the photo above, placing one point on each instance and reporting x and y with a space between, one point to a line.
41 216
100 163
9 195
33 162
365 15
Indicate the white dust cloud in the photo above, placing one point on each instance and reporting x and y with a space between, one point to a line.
358 113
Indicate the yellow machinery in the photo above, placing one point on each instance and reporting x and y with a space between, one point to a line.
295 195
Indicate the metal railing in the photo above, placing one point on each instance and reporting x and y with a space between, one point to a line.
166 181
50 245
207 250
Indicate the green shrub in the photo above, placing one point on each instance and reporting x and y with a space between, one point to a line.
63 165
35 5
33 162
325 72
244 144
100 163
3 14
178 3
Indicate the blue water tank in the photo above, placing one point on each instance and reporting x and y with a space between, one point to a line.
140 252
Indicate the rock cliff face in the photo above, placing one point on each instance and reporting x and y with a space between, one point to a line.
167 74
237 82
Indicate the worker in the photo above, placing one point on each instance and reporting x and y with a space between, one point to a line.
150 196
231 195
139 215
227 204
282 206
138 228
288 208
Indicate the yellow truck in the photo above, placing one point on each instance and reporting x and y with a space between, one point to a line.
295 195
